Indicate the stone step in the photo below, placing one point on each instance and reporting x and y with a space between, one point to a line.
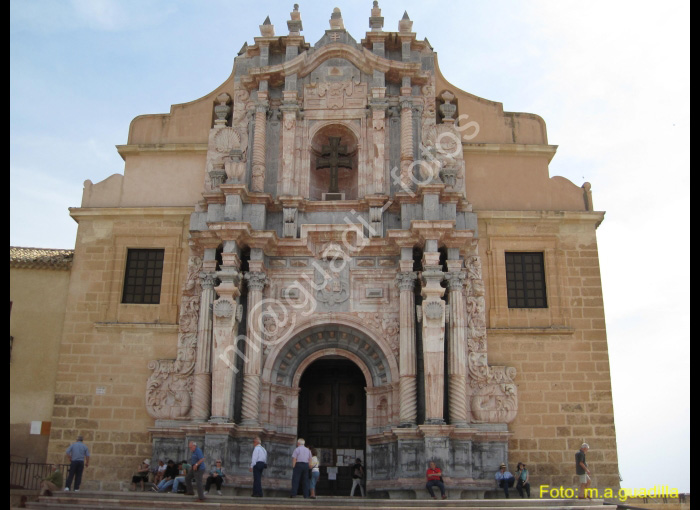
145 501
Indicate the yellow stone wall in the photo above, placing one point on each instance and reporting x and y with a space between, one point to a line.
38 299
560 352
107 345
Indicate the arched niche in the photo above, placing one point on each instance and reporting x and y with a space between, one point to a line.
334 155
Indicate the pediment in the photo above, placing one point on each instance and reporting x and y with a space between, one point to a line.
364 60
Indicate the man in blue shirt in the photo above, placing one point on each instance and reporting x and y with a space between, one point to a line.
79 458
197 471
504 479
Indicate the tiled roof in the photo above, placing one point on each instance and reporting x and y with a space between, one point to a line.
40 258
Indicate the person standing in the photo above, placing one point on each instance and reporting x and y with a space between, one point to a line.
523 480
197 471
358 474
53 482
258 464
300 465
79 458
314 466
582 472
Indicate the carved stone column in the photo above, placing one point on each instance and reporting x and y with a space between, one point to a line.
289 111
254 350
406 157
433 312
259 143
457 361
227 316
378 106
201 394
405 281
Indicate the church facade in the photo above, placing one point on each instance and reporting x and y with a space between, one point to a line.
338 244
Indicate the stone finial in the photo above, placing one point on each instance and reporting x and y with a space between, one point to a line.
405 25
294 24
222 109
447 109
376 21
337 20
267 29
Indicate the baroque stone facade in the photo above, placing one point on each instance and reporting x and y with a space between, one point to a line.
339 201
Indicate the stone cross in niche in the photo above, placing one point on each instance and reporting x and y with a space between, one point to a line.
334 156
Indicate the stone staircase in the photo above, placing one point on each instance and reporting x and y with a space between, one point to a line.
88 500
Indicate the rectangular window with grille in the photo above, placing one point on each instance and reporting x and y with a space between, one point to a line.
143 278
526 280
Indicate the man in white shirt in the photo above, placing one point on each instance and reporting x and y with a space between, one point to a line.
257 464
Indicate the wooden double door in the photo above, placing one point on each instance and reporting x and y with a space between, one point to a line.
332 419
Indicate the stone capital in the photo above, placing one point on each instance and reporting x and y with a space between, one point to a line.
455 279
406 281
256 280
208 280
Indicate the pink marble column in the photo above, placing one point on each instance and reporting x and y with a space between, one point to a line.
379 142
433 311
289 110
201 394
252 369
405 281
457 360
224 350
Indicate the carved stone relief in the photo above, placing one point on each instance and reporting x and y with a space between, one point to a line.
494 397
169 388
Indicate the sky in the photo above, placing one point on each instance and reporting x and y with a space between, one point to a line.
610 78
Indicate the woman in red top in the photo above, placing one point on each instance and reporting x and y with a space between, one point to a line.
434 476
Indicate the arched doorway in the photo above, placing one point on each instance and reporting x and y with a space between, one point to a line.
332 418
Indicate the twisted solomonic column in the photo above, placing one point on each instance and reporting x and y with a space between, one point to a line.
254 349
408 399
201 394
457 361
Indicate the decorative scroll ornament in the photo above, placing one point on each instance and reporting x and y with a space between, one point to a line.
493 393
494 397
169 388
